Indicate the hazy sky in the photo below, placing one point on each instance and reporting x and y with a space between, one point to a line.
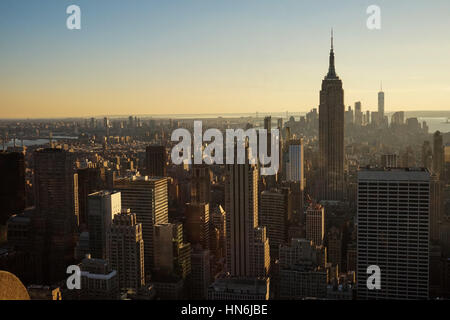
206 56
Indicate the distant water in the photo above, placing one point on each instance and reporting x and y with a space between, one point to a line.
35 142
436 124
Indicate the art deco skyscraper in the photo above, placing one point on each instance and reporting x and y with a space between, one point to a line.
331 134
241 206
393 232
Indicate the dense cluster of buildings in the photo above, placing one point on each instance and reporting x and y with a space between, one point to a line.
353 190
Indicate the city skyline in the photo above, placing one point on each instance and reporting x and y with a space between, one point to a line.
212 59
351 203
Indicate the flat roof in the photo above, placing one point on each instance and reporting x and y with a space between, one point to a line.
397 174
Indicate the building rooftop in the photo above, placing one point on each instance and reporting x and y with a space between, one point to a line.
400 174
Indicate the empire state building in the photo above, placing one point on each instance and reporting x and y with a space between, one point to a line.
331 134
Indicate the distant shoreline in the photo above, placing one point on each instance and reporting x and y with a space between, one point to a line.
408 114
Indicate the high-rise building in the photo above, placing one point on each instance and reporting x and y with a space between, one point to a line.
334 246
315 224
126 250
98 280
241 206
274 215
218 233
147 197
89 181
393 232
155 161
172 254
349 117
438 154
302 274
56 217
427 155
200 274
331 134
398 118
436 206
197 224
358 114
294 163
260 253
201 186
12 185
381 105
102 207
389 160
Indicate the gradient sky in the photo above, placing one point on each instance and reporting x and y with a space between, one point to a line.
218 56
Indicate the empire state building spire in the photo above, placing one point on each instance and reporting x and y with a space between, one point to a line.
331 70
331 135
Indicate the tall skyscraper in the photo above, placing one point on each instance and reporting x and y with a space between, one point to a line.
126 250
438 154
155 161
334 246
200 274
393 232
201 185
358 114
260 253
146 197
294 163
172 254
381 106
315 224
102 207
274 215
436 206
331 134
56 218
427 155
12 185
241 206
197 225
89 181
218 233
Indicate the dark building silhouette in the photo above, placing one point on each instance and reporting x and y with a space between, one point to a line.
331 134
12 185
89 181
438 154
56 217
155 161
